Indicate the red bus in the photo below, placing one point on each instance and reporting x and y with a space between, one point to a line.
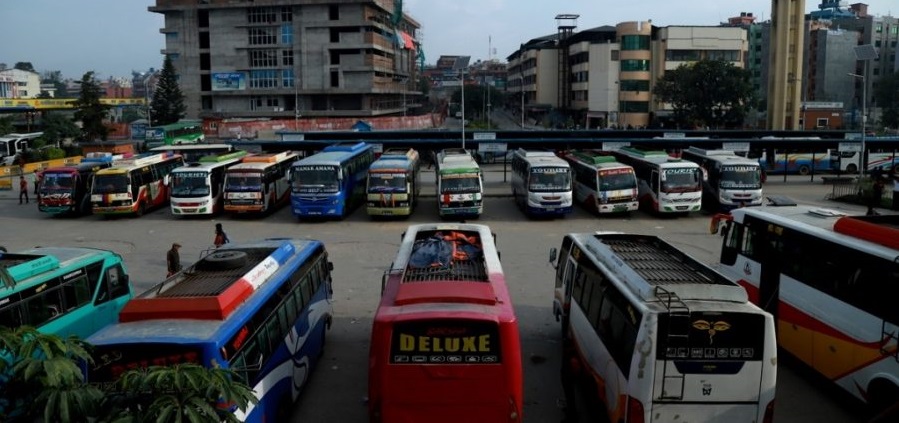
444 344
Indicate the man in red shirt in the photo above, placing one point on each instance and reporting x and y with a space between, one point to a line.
23 189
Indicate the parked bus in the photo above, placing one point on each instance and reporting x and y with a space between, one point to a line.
658 336
183 132
13 144
795 163
831 281
445 342
847 161
541 183
601 183
394 183
193 152
65 190
460 188
666 184
260 309
259 183
62 291
133 185
331 182
198 188
729 181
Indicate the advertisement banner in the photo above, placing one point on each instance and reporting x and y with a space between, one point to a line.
228 81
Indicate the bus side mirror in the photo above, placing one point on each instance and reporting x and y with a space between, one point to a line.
553 253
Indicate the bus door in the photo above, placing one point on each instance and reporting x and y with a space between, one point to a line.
709 366
655 189
112 291
770 259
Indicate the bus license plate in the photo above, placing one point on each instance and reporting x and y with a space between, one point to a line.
619 208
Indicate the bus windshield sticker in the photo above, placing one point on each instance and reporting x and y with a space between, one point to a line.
445 342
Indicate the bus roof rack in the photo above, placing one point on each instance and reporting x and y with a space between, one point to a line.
215 158
267 157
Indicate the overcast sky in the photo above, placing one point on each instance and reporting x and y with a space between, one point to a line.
114 37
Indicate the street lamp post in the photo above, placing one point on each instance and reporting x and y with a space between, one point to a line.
462 81
861 165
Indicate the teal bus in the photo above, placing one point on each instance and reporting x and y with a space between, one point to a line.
62 291
183 132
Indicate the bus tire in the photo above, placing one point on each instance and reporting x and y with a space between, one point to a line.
881 395
225 260
851 168
141 209
804 170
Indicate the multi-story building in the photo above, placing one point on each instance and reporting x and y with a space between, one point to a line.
287 58
17 83
533 76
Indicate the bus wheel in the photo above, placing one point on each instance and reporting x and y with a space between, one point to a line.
851 168
882 394
804 170
226 259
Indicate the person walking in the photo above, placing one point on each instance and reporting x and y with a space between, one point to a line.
220 237
173 259
23 189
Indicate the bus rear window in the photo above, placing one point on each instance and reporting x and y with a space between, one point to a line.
711 336
110 361
445 341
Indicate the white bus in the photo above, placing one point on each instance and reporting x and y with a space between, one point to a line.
729 181
657 336
460 189
13 144
847 161
259 183
666 184
831 282
541 183
198 188
601 183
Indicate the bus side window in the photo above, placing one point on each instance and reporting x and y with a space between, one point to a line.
77 293
44 306
115 285
12 315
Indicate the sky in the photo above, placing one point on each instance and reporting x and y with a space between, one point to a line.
115 37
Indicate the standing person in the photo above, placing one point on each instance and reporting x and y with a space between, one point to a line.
173 260
220 237
23 189
876 196
38 176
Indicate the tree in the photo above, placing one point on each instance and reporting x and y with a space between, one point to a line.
55 78
25 66
41 379
167 105
58 128
476 100
887 97
89 110
6 125
710 93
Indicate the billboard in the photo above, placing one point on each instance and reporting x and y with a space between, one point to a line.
228 81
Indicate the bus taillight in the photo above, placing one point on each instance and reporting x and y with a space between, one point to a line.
634 411
769 412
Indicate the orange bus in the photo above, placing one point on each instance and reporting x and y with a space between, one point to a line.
444 343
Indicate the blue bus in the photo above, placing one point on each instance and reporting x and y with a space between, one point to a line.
331 182
260 309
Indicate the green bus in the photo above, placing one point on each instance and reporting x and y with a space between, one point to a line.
183 132
62 290
460 189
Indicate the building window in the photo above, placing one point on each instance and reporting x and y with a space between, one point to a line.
632 65
287 78
335 78
822 123
634 42
263 78
682 55
261 36
171 36
286 57
634 106
725 55
286 34
286 14
262 15
174 56
334 12
634 85
263 58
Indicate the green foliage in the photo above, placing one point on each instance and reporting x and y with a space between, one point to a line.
44 378
6 125
89 110
476 100
710 93
58 127
887 97
167 105
25 66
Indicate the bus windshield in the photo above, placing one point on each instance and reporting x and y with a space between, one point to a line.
613 180
57 183
111 184
460 184
683 179
386 182
314 179
243 181
746 177
189 184
549 179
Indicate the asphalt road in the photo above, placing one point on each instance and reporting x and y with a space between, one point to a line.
362 249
